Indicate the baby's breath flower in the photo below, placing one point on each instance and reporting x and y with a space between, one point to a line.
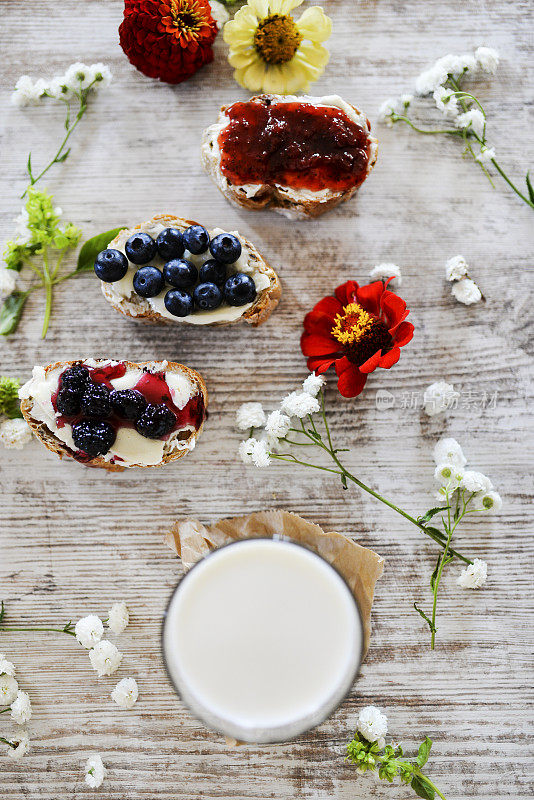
313 384
6 667
21 708
299 404
278 424
448 450
125 693
260 454
488 501
372 724
102 76
95 771
58 89
89 631
466 291
15 433
473 481
448 475
487 59
8 281
446 101
27 92
22 741
486 154
245 450
438 397
8 689
118 617
393 105
250 415
472 120
456 268
474 575
105 658
384 271
79 76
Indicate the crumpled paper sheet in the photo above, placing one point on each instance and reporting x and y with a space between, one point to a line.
360 567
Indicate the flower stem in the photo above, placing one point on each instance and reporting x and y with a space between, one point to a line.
429 783
6 741
48 288
11 629
426 131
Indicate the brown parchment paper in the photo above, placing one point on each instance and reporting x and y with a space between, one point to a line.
360 567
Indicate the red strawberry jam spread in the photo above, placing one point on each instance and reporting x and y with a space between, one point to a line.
293 144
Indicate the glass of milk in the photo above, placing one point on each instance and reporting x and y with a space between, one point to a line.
262 639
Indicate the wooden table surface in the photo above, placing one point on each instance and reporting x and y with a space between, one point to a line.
74 540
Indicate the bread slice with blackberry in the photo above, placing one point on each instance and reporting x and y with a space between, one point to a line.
116 414
173 270
300 156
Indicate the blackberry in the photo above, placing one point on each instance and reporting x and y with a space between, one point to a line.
68 402
93 437
155 422
95 401
127 403
76 377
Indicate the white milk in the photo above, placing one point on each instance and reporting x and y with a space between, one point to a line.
262 639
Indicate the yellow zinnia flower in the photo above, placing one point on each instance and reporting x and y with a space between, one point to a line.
271 51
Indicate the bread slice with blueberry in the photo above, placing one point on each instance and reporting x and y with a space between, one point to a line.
116 414
300 156
173 270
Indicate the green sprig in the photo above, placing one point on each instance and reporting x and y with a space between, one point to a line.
9 397
67 628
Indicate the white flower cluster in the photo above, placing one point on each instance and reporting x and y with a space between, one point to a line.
474 575
382 272
463 288
373 725
19 705
278 423
78 77
438 397
484 59
95 771
394 105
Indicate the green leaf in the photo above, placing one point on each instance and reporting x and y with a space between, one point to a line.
92 247
530 188
62 157
426 619
2 611
11 311
424 751
435 531
431 513
422 789
344 481
435 573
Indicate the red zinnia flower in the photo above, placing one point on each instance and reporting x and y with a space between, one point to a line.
358 330
168 39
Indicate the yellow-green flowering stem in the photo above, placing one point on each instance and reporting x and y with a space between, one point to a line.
13 629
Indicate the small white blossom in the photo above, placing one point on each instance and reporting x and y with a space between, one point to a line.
89 630
473 119
313 384
8 689
26 92
430 79
95 771
8 281
488 501
446 101
22 740
125 693
219 13
473 481
105 658
448 475
15 433
22 233
372 724
102 76
393 105
6 667
456 268
453 64
299 404
57 88
21 708
486 154
250 415
260 454
438 397
79 76
118 618
474 576
487 59
278 424
448 450
272 443
246 449
466 291
384 271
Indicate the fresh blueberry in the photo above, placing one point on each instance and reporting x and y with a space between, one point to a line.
170 244
178 303
76 377
95 401
226 248
155 422
213 272
239 289
127 403
68 402
141 248
180 273
196 239
93 437
111 265
148 281
207 296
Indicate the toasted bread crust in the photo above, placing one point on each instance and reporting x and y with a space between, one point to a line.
273 197
261 309
58 447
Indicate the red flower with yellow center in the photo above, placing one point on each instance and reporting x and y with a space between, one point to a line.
359 329
168 39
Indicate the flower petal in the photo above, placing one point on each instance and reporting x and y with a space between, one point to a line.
253 76
317 322
319 365
369 297
372 363
283 6
312 344
403 334
242 57
346 293
351 382
260 7
293 77
313 58
393 308
314 24
389 358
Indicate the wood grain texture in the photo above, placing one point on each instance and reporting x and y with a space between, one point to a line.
72 541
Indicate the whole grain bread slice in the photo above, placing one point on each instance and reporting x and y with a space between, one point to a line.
48 438
292 203
138 308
